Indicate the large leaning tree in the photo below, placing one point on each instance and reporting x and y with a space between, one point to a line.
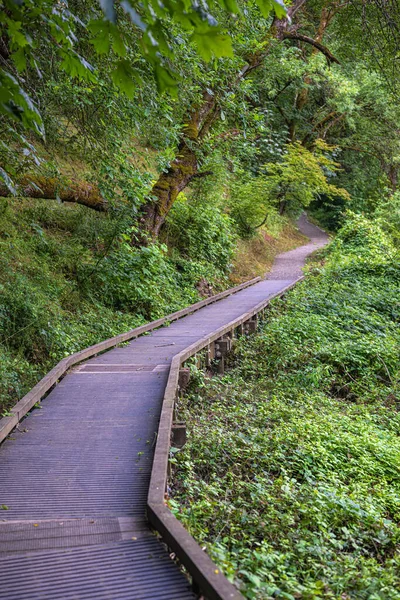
215 30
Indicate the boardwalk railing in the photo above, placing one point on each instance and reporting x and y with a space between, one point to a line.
206 576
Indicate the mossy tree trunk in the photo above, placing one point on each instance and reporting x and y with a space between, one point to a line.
49 188
182 169
185 166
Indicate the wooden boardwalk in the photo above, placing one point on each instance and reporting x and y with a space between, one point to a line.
75 474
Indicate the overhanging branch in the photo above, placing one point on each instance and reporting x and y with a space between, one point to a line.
287 35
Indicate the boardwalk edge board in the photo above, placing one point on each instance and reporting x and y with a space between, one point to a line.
208 578
26 403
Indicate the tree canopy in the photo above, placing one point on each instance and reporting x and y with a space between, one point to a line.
229 82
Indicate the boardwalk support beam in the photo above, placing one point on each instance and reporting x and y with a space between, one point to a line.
250 326
178 437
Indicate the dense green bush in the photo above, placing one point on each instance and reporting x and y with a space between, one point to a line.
202 232
141 280
291 475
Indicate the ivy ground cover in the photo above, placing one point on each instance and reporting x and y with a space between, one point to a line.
291 475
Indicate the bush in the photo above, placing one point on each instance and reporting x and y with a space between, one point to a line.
201 232
139 280
291 476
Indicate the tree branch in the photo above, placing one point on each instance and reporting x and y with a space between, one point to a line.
287 35
79 192
202 174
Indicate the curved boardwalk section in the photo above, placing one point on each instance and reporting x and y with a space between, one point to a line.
75 473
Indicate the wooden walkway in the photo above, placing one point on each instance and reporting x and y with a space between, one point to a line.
75 474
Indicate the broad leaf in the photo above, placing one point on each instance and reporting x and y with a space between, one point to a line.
213 43
124 77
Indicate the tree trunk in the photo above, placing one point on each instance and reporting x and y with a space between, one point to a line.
182 169
80 192
392 173
185 166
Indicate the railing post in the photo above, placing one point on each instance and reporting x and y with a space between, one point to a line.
222 347
250 326
183 379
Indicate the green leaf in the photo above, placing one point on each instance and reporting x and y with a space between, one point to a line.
118 43
213 43
101 41
76 66
124 77
279 8
17 37
231 6
19 59
267 6
8 181
166 80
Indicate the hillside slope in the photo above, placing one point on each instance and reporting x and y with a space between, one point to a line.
70 277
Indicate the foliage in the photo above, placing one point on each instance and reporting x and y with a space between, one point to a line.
290 476
22 22
292 182
138 280
201 231
70 278
388 212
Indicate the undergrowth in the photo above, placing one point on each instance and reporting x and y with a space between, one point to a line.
70 277
291 473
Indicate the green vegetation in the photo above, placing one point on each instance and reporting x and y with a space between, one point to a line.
291 474
152 153
70 278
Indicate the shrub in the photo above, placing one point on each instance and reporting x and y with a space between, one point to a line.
290 476
201 232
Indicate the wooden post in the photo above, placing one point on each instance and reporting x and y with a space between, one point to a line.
222 348
250 326
210 354
184 378
221 366
178 434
